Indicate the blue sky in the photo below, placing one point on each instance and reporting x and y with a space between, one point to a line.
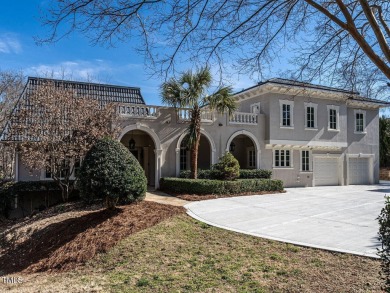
73 57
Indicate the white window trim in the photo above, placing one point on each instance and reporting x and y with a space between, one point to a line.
257 105
337 108
280 167
315 106
310 162
359 111
286 102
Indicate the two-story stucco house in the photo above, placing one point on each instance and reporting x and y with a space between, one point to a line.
308 135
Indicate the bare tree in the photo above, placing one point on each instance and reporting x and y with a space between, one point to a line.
11 87
56 129
335 42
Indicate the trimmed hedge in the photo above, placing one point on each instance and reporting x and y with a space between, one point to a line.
207 186
244 174
255 173
202 174
6 195
8 190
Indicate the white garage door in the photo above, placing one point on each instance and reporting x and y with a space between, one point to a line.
326 171
359 171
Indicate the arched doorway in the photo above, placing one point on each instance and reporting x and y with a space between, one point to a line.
142 146
244 146
206 153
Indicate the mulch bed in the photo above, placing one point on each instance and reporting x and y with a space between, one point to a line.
194 197
64 245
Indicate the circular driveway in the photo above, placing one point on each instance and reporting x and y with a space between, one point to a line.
338 218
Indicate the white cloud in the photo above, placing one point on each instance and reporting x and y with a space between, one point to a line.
9 43
98 71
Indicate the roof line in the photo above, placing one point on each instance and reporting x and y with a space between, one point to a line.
82 82
297 84
13 110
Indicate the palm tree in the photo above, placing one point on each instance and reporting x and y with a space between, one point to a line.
190 91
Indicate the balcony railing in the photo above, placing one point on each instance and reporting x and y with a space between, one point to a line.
243 118
184 115
138 111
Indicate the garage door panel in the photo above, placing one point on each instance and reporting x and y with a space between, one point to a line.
326 171
359 171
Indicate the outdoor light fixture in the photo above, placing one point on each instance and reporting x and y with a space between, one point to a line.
232 147
132 144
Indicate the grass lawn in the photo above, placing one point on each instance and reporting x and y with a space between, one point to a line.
181 254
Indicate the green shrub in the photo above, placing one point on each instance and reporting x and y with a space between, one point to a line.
8 191
255 173
207 186
6 196
244 174
202 174
227 167
111 172
384 238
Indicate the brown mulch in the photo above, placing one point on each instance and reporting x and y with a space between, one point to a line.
64 245
195 197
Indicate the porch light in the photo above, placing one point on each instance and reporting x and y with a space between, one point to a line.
232 147
132 144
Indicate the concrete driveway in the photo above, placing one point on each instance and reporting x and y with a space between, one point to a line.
339 218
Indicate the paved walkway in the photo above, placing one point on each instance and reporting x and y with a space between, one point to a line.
338 218
161 197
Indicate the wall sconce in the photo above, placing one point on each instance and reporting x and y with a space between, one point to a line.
232 147
132 144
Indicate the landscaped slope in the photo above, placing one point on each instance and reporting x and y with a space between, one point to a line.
182 254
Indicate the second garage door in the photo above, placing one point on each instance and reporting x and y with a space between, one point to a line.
359 171
326 171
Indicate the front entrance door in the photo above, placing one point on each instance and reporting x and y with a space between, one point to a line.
142 155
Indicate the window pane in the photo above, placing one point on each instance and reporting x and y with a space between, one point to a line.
359 122
332 119
277 158
310 117
183 159
287 159
305 161
286 115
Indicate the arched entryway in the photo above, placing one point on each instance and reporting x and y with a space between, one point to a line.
244 146
144 144
206 154
141 145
